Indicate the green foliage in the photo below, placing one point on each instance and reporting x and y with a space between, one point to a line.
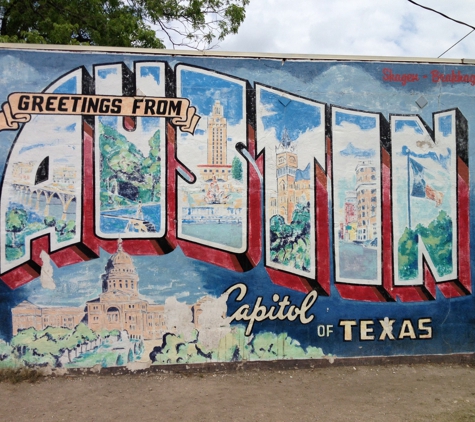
65 230
32 347
290 243
7 359
13 253
83 333
194 23
123 163
138 349
106 333
50 221
236 169
60 226
407 255
102 356
15 222
119 361
41 347
437 238
152 166
234 346
269 346
105 355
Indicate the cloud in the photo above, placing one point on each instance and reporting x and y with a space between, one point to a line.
353 151
401 125
363 27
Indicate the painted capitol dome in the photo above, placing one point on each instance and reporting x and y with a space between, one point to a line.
120 273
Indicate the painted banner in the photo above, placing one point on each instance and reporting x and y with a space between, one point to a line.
21 105
167 208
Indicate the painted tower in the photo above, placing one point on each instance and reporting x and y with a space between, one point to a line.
286 168
217 136
216 167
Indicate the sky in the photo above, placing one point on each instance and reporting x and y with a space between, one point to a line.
354 27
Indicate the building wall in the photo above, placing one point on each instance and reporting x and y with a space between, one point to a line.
273 220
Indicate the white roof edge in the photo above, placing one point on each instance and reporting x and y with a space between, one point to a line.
230 54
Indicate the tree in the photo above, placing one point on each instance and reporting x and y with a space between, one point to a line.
131 23
60 226
119 361
236 169
437 238
290 242
16 221
152 165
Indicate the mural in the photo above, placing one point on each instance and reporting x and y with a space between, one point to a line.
162 209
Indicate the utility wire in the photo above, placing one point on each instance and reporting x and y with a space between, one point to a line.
447 17
461 39
441 14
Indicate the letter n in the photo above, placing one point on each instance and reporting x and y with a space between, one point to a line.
430 211
291 138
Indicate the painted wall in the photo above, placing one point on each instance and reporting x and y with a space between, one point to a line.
182 209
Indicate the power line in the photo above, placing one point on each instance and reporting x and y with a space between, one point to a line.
447 17
441 14
461 39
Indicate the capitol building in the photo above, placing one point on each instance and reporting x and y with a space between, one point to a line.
118 307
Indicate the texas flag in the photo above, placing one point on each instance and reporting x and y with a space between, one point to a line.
420 189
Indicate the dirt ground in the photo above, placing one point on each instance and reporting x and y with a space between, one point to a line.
418 392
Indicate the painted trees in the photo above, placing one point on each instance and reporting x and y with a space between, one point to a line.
152 165
16 221
236 169
288 241
437 236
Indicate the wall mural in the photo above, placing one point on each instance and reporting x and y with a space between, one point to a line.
161 209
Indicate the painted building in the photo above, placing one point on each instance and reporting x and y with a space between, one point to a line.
217 148
118 307
293 185
366 200
65 175
27 315
22 172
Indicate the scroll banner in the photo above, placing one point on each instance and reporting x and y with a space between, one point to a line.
21 105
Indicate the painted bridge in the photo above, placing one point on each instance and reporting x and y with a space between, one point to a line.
27 193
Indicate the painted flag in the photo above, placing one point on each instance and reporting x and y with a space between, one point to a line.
418 181
420 189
